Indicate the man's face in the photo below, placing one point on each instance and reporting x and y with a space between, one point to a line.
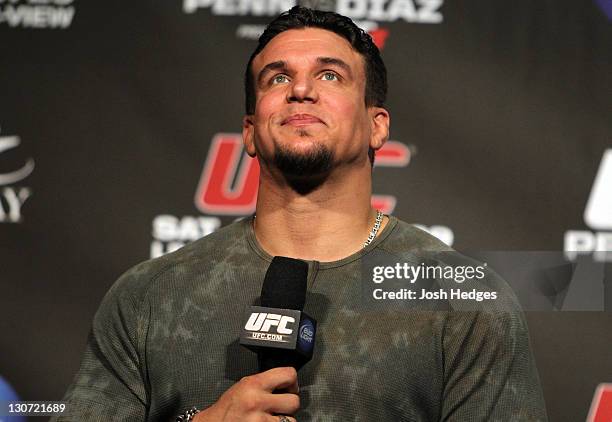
310 88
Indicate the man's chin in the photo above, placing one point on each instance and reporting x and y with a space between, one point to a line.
305 167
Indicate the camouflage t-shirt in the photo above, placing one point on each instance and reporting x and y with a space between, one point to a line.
165 338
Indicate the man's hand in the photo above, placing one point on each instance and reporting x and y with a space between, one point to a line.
252 399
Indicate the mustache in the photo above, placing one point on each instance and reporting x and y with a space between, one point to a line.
302 117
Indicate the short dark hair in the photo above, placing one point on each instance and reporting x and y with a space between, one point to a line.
301 17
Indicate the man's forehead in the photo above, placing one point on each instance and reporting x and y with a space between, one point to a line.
307 44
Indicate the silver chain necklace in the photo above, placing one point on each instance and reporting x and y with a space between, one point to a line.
372 235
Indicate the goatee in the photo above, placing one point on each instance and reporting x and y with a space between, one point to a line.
304 171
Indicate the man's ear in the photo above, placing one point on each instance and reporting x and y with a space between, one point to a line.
248 134
380 121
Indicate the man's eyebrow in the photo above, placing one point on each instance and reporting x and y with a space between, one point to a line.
277 65
335 62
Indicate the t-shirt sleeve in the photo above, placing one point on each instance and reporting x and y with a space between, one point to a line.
489 370
110 384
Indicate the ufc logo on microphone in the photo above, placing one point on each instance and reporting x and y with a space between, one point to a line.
261 321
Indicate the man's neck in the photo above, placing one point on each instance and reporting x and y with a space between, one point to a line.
328 224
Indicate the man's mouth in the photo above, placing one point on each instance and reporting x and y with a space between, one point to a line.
301 120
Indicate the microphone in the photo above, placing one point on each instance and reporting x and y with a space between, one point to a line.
279 331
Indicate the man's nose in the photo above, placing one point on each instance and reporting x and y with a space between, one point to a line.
302 90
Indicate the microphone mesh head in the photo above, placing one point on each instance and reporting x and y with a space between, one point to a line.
285 284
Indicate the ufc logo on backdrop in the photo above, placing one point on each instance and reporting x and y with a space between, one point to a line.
229 181
261 321
230 178
601 407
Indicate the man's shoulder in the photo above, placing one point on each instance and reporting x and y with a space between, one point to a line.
408 238
192 258
221 241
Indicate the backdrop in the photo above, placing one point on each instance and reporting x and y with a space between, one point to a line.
119 141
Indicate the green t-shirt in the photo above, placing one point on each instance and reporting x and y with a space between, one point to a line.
165 338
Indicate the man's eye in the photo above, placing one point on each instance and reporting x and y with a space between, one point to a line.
279 79
330 76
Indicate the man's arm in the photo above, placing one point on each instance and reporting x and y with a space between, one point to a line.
489 370
110 382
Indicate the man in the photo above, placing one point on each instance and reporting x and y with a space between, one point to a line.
165 337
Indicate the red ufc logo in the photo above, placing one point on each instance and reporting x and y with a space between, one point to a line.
379 36
225 188
229 181
601 408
